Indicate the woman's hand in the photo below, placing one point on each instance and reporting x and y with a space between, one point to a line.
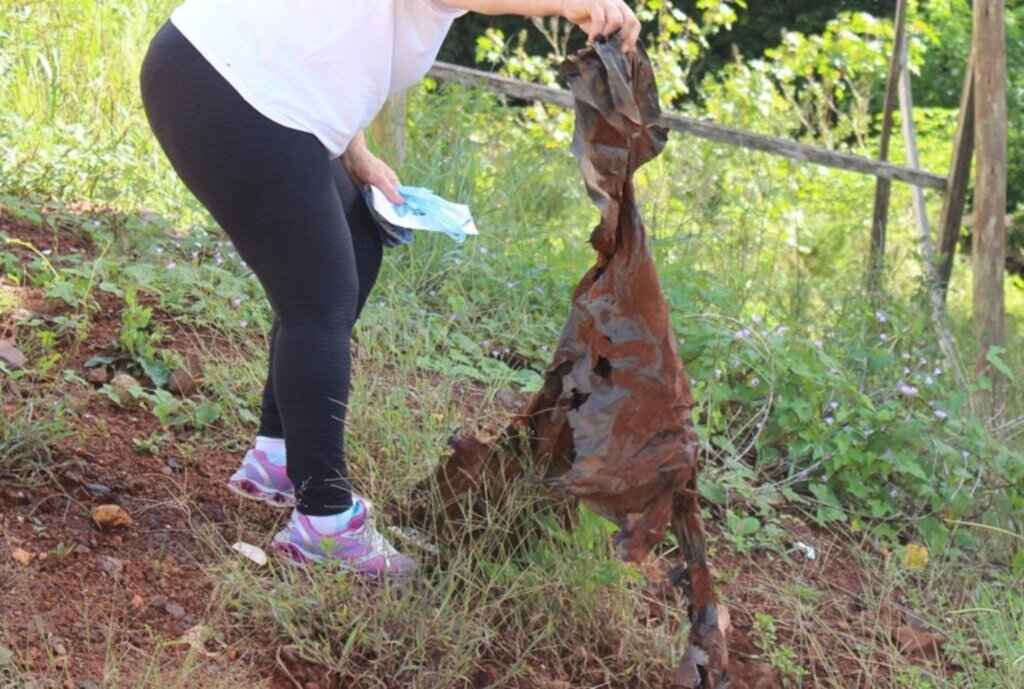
366 168
603 18
596 17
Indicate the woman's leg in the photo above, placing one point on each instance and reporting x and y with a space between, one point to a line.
273 191
368 249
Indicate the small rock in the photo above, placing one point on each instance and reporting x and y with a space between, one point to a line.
173 465
181 383
111 566
98 375
82 549
252 552
510 398
11 355
22 556
21 315
97 488
123 384
174 610
137 601
14 497
183 380
919 643
111 517
157 601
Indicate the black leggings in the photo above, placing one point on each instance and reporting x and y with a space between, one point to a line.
298 220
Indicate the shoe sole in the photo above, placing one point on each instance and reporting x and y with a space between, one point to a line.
251 491
295 556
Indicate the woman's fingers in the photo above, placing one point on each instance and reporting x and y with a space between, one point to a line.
390 189
605 17
598 16
630 33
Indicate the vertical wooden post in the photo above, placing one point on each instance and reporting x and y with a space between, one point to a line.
951 217
931 275
387 131
914 161
989 235
883 187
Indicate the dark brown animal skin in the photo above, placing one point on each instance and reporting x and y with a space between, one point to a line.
613 424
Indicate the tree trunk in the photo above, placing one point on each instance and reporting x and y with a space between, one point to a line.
989 236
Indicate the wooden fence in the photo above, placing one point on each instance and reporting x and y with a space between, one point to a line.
982 116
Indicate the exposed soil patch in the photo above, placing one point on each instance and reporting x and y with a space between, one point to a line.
74 593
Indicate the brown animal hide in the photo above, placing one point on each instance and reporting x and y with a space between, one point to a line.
616 408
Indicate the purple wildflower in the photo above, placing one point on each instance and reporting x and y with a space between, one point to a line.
908 390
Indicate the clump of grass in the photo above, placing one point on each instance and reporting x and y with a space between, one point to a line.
28 438
509 607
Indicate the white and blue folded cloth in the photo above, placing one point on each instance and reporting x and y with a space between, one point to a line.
422 210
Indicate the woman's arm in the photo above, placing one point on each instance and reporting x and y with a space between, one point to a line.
596 17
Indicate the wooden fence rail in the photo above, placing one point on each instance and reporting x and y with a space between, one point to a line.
699 128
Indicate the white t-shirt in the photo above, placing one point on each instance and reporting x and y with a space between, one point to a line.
319 66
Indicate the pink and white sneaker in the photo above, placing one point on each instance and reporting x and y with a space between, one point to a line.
260 478
358 547
264 477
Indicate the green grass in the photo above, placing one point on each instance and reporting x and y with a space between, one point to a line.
744 242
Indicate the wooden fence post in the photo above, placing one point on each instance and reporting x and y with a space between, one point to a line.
387 131
931 274
906 99
951 217
883 187
989 231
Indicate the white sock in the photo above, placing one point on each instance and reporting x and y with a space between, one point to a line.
274 447
333 523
